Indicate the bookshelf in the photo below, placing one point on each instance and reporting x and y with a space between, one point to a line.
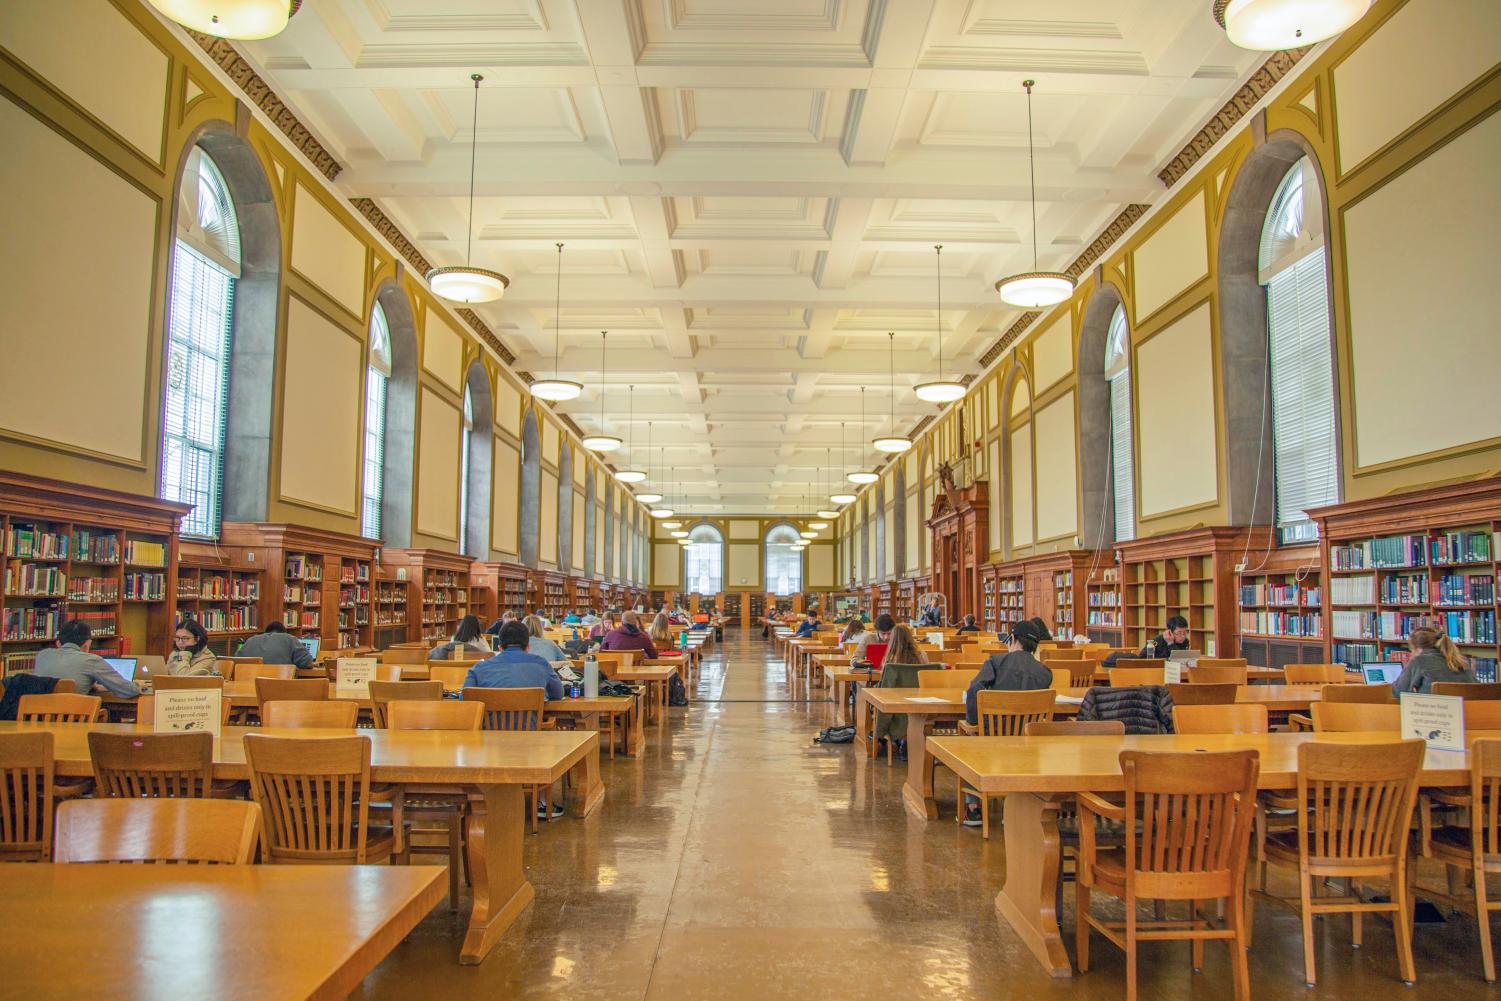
302 593
756 601
1063 603
1189 573
550 593
730 608
355 595
73 551
1102 598
390 614
989 611
1281 608
905 599
1426 557
437 593
579 593
1010 603
506 586
223 598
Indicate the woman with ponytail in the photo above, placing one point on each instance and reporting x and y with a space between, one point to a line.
1435 658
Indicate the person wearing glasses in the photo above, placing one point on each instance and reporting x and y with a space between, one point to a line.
190 653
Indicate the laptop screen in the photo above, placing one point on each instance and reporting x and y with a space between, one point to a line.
125 667
1381 673
311 642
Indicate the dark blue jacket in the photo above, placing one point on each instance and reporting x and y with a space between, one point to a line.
513 667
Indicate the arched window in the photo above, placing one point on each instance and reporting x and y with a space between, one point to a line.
703 561
784 564
377 373
1291 266
205 266
1118 376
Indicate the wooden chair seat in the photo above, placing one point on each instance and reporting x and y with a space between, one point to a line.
157 830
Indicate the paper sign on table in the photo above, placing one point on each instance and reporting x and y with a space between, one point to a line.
353 675
936 639
1172 672
926 698
1437 720
183 709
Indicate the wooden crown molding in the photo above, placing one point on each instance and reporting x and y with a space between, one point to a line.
394 236
487 335
262 96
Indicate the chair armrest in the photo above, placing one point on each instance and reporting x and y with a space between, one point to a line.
1449 797
969 729
1088 802
548 724
1298 722
1279 800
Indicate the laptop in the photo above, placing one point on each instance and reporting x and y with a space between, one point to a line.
1382 673
1185 656
125 667
311 642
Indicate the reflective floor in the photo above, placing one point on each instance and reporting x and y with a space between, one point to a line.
737 859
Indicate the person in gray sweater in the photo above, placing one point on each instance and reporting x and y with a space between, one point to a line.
72 659
276 646
1017 670
1436 659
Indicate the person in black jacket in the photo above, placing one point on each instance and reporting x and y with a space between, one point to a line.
1174 637
969 625
1017 670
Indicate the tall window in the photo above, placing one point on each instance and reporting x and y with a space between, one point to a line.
467 434
1118 375
372 487
1291 266
784 564
205 265
703 561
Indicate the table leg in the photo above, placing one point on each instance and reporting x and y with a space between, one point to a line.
862 723
917 791
842 700
588 790
635 734
1028 900
497 826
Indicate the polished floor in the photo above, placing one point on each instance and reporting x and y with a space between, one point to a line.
738 860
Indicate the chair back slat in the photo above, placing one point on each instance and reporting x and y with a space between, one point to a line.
445 714
1126 677
950 678
152 765
1218 674
1006 714
1313 674
250 670
1488 691
510 708
1203 695
1379 695
58 708
26 775
1075 728
313 794
171 682
382 693
290 690
338 714
1239 718
1189 814
1485 793
1360 798
166 831
1346 717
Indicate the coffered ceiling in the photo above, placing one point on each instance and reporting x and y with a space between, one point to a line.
749 191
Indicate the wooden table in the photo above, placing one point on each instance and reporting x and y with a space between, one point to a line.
206 931
947 705
841 676
491 767
1276 698
621 712
1037 774
657 678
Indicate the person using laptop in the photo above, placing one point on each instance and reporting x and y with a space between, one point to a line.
1174 636
73 659
277 646
1435 659
190 653
880 634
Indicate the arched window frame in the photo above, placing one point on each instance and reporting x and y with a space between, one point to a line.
377 375
703 560
783 564
1122 441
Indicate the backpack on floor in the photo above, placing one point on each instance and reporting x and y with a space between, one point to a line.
836 735
677 692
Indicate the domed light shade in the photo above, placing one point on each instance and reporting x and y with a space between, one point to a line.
863 477
679 534
892 443
554 390
827 514
1035 289
819 525
943 391
648 498
245 19
629 475
842 498
661 512
685 543
602 442
672 524
1269 25
462 283
808 534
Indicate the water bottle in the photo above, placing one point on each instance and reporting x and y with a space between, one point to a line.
575 634
575 690
683 640
591 677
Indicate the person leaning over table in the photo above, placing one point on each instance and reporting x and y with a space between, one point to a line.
1435 659
881 634
514 666
190 654
809 625
276 646
71 658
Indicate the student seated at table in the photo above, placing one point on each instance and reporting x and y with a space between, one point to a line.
899 670
540 645
629 636
881 634
573 618
589 618
276 646
493 629
467 639
72 658
969 625
1174 636
190 653
852 630
931 615
662 636
546 622
602 628
514 666
809 625
1016 670
1435 658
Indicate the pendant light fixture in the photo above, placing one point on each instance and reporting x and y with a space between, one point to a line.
664 512
674 496
1270 25
631 475
862 476
649 497
601 442
940 390
1036 288
828 464
842 498
893 442
246 20
555 389
464 282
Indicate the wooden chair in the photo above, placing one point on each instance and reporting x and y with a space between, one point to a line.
250 670
612 660
1240 718
314 794
152 765
290 690
1476 848
1074 728
1001 714
171 682
1354 806
55 708
1482 691
1063 678
336 714
449 675
382 693
1125 677
941 678
26 796
440 804
1203 695
1345 717
1187 819
515 709
157 830
1314 674
1046 654
1221 662
1218 674
442 714
1081 671
1482 714
1380 695
232 662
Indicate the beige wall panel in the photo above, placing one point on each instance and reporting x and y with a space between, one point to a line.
1057 476
438 467
993 403
550 442
1021 397
915 530
547 535
745 530
891 541
1461 351
505 498
997 500
666 564
508 406
320 428
326 253
60 204
1176 431
1424 54
1172 258
1053 351
71 44
1021 486
820 565
599 538
443 351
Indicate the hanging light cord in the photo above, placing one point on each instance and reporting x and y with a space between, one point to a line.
1032 170
602 334
938 280
630 421
891 353
473 148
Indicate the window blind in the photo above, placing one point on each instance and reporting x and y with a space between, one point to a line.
1304 455
1122 475
373 481
464 444
704 567
784 564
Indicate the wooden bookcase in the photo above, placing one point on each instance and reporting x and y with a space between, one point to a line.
1102 598
224 598
905 599
580 593
438 595
987 616
1426 557
756 616
1281 608
391 617
1189 573
1011 597
354 598
506 582
78 552
730 605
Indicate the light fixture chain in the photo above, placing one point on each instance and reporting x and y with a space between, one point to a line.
557 313
1032 171
938 280
473 151
602 338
